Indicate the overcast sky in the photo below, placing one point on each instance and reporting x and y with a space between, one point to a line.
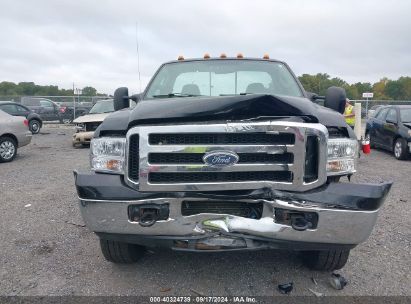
94 42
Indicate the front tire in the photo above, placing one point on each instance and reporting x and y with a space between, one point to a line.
34 126
326 260
120 252
8 149
400 149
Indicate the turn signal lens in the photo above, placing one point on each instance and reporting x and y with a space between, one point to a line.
341 166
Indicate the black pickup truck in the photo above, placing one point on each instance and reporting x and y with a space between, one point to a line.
222 154
49 110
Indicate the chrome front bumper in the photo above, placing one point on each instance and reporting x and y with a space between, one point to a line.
335 226
346 213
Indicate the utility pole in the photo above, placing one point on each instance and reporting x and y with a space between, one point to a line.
74 103
78 92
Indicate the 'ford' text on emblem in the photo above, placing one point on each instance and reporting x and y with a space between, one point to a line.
220 158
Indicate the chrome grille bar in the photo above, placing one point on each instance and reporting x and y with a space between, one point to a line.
298 131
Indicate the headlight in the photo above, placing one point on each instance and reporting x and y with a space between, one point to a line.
107 154
80 127
342 154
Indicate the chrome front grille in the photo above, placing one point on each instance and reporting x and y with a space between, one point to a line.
280 155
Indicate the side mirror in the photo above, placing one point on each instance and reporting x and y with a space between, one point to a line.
335 98
121 99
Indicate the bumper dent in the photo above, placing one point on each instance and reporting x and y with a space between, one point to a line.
345 217
334 226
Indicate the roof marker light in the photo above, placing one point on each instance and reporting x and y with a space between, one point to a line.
240 56
180 57
223 55
206 56
266 56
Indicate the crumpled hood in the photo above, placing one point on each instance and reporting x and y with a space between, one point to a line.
234 108
231 108
91 118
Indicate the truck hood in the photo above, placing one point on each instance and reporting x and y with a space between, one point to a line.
231 108
203 109
91 118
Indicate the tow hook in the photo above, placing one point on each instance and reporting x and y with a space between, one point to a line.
300 223
147 214
148 217
298 220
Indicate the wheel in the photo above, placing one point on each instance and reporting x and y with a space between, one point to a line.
368 137
8 149
400 149
327 260
120 252
34 126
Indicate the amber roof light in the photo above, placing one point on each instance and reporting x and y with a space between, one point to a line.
206 56
180 57
240 56
266 56
223 55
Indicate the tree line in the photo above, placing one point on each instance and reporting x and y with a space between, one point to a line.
31 89
385 89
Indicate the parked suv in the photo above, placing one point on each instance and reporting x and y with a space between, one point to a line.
15 109
223 154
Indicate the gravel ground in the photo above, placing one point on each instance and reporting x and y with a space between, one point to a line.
46 250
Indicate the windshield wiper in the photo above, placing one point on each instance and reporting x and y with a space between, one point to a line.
175 95
237 94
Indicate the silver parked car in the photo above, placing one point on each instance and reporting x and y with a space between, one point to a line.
14 133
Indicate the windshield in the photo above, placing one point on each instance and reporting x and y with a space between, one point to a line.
223 77
405 115
104 106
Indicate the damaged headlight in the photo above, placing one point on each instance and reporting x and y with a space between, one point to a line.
342 155
80 127
107 154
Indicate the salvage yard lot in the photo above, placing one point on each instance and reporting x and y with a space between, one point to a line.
46 250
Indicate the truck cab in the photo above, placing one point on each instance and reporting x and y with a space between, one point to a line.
221 154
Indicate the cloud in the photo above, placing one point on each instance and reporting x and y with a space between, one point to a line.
94 43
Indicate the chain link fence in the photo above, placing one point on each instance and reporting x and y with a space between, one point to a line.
367 105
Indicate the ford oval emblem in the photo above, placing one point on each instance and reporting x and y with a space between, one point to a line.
220 158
